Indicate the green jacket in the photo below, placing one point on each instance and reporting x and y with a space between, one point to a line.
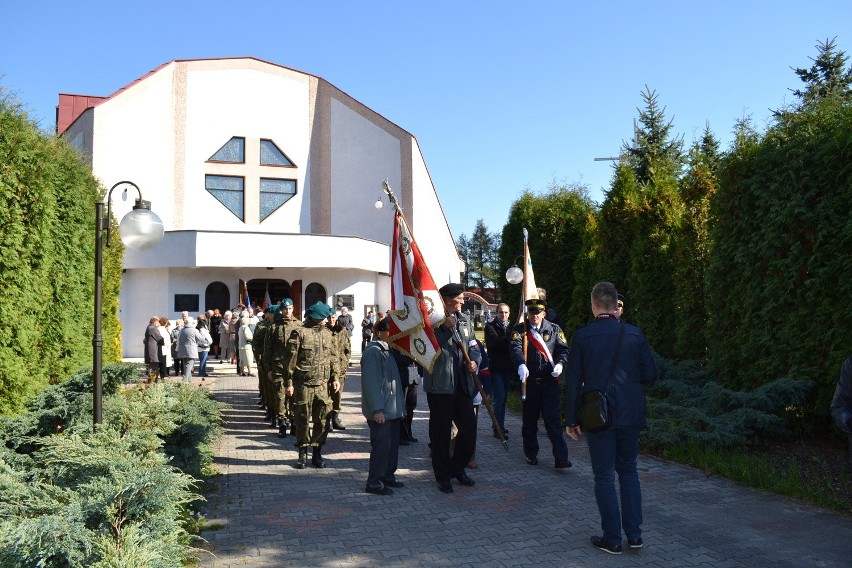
449 368
313 356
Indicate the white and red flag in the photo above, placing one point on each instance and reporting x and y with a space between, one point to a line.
530 291
416 305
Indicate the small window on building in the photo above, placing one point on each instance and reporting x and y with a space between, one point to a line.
228 190
271 155
233 152
274 193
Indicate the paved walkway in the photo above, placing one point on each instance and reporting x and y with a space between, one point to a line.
270 514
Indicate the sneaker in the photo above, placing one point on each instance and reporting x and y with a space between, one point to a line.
600 544
635 543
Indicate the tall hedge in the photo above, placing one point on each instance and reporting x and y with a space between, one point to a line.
780 271
47 203
555 221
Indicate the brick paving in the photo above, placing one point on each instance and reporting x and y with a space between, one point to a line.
266 513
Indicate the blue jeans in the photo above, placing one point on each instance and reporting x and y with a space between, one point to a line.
202 363
615 451
496 386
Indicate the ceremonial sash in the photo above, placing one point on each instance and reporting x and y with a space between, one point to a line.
535 338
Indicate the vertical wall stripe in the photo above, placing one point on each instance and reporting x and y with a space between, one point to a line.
179 142
320 162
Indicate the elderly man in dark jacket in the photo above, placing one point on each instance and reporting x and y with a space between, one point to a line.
841 405
449 390
602 349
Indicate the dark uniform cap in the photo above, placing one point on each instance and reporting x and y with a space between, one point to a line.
535 304
319 311
620 301
451 290
285 302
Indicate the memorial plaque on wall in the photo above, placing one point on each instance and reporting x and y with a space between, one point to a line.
347 300
186 302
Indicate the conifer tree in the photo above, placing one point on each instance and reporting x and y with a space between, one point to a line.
827 77
698 187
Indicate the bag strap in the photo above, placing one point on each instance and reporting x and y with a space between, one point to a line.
615 357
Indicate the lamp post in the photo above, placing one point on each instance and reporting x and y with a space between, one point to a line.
514 274
139 230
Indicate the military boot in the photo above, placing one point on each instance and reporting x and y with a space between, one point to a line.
335 421
316 459
303 458
282 428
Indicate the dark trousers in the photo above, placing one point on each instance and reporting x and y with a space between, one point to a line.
444 410
615 451
543 400
409 392
384 452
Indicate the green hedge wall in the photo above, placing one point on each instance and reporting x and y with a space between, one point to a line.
47 202
780 270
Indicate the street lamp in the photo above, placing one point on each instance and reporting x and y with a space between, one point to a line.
515 275
139 230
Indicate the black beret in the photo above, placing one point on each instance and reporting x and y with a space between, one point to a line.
451 290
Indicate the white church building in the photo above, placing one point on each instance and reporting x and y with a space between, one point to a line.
266 179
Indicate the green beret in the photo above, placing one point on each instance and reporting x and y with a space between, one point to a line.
285 302
319 311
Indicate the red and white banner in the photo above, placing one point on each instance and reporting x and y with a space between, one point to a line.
416 305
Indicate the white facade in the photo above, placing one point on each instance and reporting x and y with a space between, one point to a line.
161 131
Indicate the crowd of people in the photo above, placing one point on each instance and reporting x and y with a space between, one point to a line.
302 363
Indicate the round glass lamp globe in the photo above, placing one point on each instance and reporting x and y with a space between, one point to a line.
514 275
141 229
379 204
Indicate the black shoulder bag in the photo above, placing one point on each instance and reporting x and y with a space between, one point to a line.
595 411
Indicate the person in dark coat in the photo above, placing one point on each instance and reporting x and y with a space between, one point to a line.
153 341
546 355
449 391
841 405
609 347
498 342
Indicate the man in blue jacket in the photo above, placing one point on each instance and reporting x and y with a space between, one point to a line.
608 347
383 407
540 367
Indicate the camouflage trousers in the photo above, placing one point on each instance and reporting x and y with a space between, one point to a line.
311 406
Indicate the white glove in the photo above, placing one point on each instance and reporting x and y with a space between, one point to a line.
557 370
523 372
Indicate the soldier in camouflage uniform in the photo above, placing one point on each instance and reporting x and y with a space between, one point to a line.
313 364
258 345
344 344
276 349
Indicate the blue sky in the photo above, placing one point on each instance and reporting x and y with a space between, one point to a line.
501 96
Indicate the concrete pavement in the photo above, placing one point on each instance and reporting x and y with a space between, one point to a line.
266 513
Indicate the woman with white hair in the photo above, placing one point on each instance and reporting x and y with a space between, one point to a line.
246 334
223 336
